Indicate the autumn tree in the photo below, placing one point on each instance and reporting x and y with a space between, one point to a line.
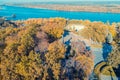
55 27
56 51
82 60
114 57
30 67
9 58
117 37
13 65
97 31
86 64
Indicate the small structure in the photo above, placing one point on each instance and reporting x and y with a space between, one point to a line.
109 38
74 27
1 20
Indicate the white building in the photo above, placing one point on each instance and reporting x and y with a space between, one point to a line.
74 27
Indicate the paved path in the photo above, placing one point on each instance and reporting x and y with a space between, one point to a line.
98 57
68 37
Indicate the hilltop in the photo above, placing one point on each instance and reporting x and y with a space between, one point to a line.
56 48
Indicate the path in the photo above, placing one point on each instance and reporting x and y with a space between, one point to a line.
68 37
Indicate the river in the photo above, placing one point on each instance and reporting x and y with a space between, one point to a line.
23 13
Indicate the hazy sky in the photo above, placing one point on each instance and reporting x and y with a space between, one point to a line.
20 1
49 0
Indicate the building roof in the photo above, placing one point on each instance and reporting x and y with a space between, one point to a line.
75 26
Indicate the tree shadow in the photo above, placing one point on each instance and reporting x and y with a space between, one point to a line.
51 38
117 72
81 74
12 23
111 74
50 74
68 42
67 52
107 48
65 33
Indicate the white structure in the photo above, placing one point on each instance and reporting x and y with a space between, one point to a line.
75 27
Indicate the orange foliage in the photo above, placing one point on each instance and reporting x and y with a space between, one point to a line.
86 63
55 27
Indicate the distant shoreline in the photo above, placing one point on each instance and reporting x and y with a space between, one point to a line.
80 8
0 8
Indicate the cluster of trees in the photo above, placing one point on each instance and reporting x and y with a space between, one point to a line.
111 66
20 60
117 38
31 50
95 31
56 52
98 31
114 57
17 54
55 27
79 62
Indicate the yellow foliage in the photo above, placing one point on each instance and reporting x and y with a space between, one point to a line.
21 49
87 62
112 30
97 31
55 27
55 53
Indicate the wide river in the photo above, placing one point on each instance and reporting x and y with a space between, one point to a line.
25 13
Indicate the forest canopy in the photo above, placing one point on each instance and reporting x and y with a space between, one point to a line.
31 49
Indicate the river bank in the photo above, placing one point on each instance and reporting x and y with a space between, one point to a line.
81 8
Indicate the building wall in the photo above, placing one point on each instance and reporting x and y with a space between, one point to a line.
75 27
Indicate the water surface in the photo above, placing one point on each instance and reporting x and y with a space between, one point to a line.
25 13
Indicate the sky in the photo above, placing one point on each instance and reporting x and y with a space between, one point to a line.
22 1
49 0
